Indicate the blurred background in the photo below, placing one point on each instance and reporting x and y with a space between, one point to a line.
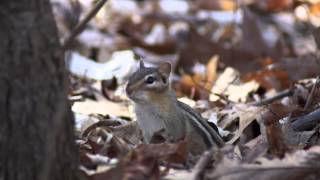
241 51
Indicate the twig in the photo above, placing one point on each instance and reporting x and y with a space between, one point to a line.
201 165
285 93
306 106
307 122
80 27
267 101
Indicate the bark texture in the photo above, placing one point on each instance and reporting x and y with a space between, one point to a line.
36 124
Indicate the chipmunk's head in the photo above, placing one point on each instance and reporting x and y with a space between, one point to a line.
147 81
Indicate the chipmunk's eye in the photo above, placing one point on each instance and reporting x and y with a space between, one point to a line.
150 80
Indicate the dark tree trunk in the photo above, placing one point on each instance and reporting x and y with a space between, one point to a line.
36 124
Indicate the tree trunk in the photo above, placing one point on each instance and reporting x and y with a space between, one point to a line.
36 124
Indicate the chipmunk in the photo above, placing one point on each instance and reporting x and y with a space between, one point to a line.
157 109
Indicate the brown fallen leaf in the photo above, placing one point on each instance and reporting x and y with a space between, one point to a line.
273 131
226 5
143 162
273 5
135 166
169 152
198 86
270 79
245 114
190 85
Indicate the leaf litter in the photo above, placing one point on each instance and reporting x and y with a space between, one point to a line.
251 67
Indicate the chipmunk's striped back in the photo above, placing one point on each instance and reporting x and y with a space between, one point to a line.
210 136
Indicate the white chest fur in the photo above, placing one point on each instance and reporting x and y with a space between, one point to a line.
147 122
151 120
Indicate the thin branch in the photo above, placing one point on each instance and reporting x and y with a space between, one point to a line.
306 106
267 101
201 165
80 27
285 93
307 122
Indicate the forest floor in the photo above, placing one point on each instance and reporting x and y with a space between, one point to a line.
251 67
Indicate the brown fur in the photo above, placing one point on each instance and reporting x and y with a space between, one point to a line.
158 110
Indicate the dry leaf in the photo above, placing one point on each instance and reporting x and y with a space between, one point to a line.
226 5
274 5
228 85
274 134
246 115
270 79
170 152
134 167
211 72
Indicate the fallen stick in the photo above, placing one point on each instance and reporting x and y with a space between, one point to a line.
80 27
307 122
285 93
201 165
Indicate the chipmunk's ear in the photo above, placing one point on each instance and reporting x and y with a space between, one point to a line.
141 64
165 69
